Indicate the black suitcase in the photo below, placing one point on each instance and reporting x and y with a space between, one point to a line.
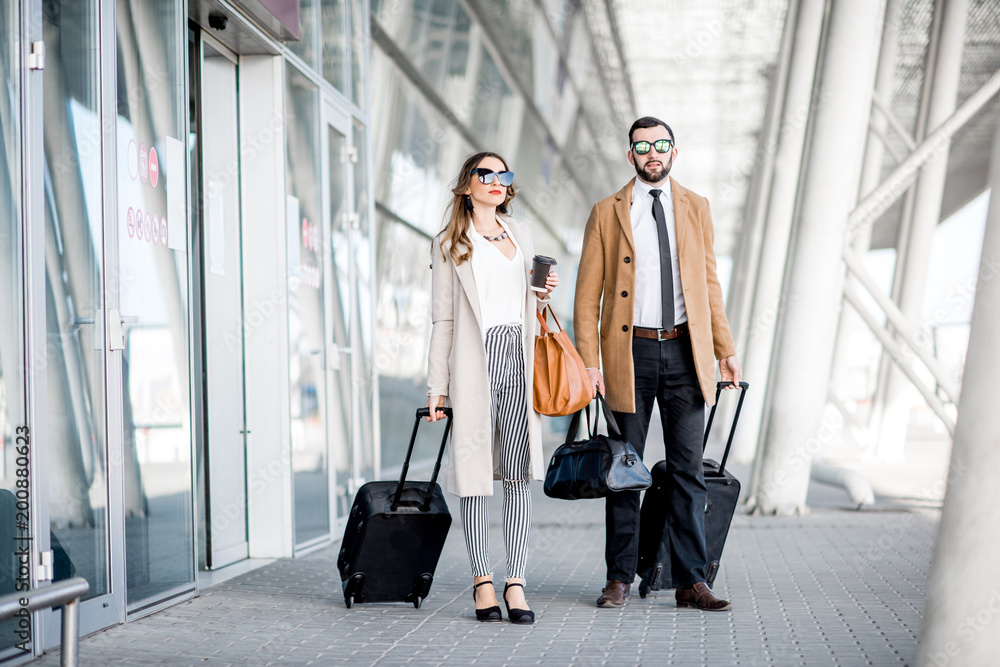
395 534
723 493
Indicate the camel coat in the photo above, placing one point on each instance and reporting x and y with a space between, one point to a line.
457 368
607 265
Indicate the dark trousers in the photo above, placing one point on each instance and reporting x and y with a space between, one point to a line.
665 371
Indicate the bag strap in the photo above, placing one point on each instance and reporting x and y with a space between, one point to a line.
574 426
543 319
613 430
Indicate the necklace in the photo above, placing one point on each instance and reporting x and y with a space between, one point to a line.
499 237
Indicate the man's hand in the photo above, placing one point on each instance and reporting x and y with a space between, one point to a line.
731 371
596 380
433 404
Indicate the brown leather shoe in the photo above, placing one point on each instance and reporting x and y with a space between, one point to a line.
615 594
700 596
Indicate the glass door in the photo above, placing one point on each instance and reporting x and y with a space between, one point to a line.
14 442
337 159
307 326
223 479
151 281
75 378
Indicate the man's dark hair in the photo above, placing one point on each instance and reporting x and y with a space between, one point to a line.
649 121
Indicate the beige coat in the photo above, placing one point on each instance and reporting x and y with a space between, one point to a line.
457 368
608 265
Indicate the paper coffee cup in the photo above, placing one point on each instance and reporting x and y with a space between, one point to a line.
540 266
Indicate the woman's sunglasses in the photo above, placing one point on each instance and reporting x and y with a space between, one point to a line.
661 146
486 176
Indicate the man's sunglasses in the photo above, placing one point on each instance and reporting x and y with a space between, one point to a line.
486 176
661 146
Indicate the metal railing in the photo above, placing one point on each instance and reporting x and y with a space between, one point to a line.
66 594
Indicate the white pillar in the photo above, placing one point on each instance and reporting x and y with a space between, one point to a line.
871 177
913 254
814 281
962 617
757 336
739 300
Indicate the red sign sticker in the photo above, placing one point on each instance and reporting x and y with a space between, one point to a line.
156 230
154 167
148 225
138 224
163 231
130 224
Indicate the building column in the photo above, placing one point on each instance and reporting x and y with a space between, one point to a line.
757 334
814 281
962 614
871 177
914 248
739 299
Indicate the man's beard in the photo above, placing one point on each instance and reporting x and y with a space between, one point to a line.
651 176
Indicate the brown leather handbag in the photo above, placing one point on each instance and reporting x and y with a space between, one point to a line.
561 386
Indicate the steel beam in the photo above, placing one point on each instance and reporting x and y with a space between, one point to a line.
881 106
902 327
896 353
892 188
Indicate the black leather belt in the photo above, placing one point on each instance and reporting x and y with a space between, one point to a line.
661 334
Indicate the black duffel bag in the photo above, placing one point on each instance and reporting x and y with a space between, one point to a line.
597 466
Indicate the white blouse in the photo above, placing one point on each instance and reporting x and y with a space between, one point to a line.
500 282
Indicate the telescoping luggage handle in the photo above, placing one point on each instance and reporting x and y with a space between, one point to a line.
732 431
422 412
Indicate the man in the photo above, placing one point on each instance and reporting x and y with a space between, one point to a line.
661 324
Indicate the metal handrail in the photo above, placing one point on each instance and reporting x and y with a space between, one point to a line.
66 594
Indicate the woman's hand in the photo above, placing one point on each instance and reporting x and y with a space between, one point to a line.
434 404
551 282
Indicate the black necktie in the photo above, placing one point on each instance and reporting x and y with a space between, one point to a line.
666 270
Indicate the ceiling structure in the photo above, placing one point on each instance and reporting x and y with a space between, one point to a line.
705 68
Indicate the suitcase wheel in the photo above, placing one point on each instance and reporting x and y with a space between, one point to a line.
416 602
349 601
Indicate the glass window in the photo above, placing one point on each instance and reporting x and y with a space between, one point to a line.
422 29
12 377
74 264
306 330
364 295
514 19
335 43
307 47
152 284
404 325
417 151
487 110
359 28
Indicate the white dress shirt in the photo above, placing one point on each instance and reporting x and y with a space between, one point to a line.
648 306
500 282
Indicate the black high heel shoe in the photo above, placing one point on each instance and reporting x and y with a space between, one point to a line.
490 614
519 616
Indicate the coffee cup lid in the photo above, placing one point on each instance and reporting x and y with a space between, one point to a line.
542 259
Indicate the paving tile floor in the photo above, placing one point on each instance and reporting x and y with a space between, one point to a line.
835 587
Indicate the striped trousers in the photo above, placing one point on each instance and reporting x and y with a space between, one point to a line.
505 361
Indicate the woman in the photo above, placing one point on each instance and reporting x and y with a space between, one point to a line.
481 357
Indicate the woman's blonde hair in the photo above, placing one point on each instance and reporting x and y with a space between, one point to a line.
459 217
